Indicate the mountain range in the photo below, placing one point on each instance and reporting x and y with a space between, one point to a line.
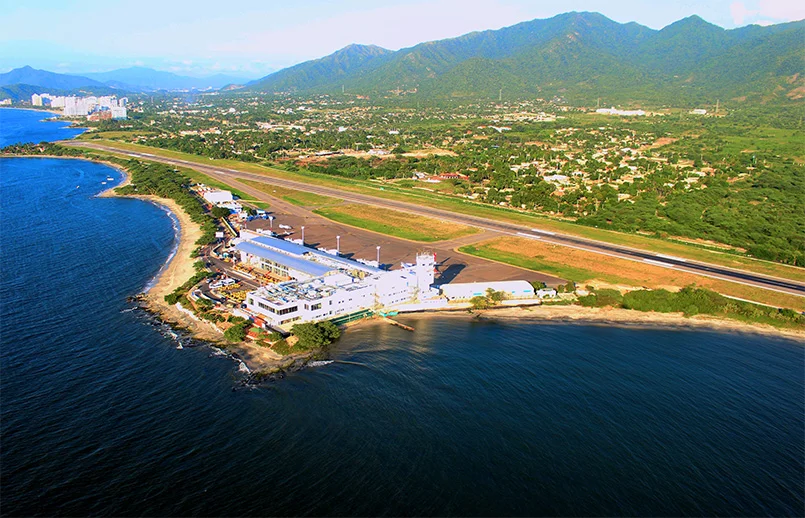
147 79
578 56
134 79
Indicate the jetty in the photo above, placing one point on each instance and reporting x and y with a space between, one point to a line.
398 324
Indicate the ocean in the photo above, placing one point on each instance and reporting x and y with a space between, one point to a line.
101 412
18 126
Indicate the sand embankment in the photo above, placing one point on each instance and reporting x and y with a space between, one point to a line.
176 272
616 316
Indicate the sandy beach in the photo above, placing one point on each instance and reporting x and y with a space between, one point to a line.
614 316
60 113
176 272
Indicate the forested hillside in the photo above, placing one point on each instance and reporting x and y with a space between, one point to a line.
580 57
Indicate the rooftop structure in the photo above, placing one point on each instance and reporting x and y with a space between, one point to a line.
623 113
216 196
280 264
323 286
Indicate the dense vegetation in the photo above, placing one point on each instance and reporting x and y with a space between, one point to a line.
237 331
43 148
693 301
314 335
489 299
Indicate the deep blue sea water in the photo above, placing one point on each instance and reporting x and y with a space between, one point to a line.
101 414
31 126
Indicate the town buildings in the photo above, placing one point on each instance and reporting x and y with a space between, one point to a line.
94 108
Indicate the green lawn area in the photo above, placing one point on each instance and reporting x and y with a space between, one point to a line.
299 198
394 223
774 141
96 135
564 271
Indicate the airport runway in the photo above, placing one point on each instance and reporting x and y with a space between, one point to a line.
699 268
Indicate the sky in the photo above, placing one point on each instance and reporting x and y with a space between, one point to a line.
251 38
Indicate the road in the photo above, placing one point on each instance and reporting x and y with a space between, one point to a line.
512 229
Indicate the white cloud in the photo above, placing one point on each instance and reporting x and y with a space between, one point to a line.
740 13
768 12
783 10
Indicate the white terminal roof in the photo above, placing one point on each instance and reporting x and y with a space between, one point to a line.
316 256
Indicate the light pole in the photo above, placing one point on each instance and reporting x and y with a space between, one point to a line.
303 234
271 221
337 245
378 256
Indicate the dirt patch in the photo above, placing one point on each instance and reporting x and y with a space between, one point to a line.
624 274
663 141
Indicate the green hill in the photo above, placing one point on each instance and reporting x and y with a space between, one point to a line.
579 56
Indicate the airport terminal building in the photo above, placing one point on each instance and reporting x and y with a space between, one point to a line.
315 285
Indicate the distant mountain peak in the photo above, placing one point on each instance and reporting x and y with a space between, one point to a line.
357 48
693 21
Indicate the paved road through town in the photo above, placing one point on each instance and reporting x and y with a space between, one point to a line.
666 261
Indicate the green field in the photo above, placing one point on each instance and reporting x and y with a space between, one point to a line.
394 223
298 198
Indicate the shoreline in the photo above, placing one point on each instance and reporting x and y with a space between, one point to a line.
32 110
175 272
263 362
613 316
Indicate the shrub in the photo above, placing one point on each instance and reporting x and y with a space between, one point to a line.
236 333
479 302
282 348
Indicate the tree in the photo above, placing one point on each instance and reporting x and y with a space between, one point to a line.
236 333
313 335
495 297
220 212
479 302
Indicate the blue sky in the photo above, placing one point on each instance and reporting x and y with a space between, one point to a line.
251 37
